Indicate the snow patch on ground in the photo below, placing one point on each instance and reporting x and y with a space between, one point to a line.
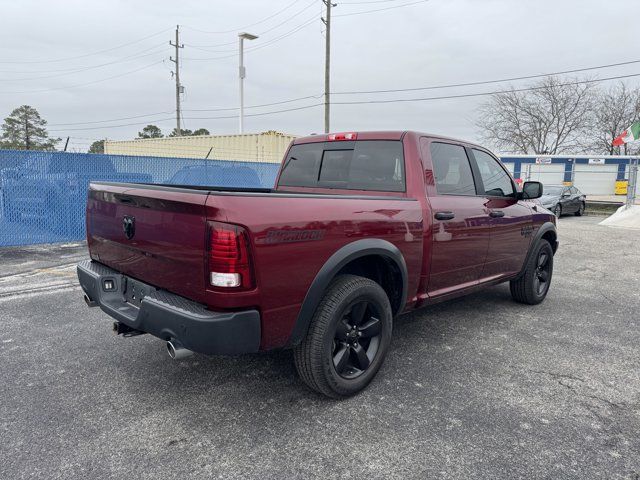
624 217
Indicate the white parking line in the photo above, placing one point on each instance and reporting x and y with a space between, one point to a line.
37 282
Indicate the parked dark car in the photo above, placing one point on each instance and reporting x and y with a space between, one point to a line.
360 227
561 200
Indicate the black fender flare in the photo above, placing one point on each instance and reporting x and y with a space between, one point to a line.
544 228
332 266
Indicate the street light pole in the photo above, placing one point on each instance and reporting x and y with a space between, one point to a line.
242 72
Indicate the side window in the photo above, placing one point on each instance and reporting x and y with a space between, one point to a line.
301 166
452 170
496 180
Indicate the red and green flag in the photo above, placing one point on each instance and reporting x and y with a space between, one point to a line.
630 134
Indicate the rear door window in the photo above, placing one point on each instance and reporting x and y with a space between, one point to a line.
376 165
452 170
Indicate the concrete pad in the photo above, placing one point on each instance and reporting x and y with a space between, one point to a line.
624 217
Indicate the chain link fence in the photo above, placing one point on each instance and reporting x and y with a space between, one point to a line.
43 194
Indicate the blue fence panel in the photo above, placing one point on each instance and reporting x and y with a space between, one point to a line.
43 194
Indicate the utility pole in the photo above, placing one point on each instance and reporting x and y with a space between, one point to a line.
176 74
327 64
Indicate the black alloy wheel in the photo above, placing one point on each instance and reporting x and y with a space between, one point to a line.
532 286
356 339
348 337
543 273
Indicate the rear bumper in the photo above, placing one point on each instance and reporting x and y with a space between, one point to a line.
169 316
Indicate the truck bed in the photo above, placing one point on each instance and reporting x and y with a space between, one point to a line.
292 235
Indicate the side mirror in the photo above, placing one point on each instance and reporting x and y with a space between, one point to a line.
566 195
530 190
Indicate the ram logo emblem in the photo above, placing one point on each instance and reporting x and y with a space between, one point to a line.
129 226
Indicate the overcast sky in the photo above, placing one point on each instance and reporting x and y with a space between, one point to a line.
399 46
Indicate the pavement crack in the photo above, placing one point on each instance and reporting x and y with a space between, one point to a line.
592 396
562 377
556 376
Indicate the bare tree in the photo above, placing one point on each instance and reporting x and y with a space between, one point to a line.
552 116
615 109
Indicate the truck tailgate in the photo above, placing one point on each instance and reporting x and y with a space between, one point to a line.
167 241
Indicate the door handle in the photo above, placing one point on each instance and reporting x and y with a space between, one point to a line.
444 215
496 214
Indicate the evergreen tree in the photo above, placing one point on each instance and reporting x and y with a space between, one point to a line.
23 129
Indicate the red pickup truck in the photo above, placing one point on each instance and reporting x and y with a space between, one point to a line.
359 228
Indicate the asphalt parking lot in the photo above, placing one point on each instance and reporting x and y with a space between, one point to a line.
480 387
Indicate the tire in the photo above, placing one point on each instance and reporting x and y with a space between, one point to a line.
557 210
580 210
333 359
532 287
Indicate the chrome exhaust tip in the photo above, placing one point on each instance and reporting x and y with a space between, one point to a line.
177 351
90 303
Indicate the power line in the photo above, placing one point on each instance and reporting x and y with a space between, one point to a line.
284 35
182 110
381 9
361 102
89 54
193 118
433 87
93 67
252 106
369 1
246 26
86 83
525 89
486 82
221 109
466 95
261 34
110 126
263 45
313 3
110 120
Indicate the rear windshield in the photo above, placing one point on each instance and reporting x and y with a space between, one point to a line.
362 165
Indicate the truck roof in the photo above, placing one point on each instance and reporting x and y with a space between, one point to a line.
377 135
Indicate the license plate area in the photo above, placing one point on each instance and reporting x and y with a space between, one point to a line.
135 291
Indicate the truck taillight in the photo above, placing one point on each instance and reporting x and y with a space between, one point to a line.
228 255
342 136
